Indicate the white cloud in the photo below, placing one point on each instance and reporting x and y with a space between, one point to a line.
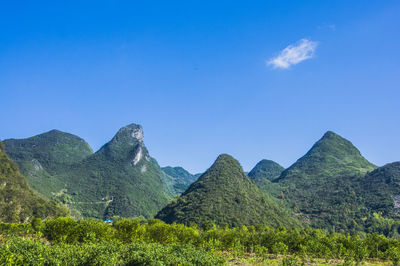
294 54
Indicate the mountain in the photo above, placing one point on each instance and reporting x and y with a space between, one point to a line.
263 173
18 203
120 179
196 176
266 169
224 194
332 155
41 158
180 178
381 190
323 185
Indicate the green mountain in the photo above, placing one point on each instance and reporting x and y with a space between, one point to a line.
196 176
43 157
18 203
120 179
266 169
263 173
381 190
323 185
224 194
180 178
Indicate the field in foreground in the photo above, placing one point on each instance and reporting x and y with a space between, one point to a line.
64 241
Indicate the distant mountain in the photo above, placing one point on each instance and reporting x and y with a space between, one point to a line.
266 169
119 179
196 176
43 157
381 190
263 173
181 179
225 194
323 185
18 203
332 155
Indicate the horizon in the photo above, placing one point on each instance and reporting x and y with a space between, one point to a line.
260 80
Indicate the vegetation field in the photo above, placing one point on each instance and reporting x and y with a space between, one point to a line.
65 241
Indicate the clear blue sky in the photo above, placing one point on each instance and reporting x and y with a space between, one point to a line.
195 75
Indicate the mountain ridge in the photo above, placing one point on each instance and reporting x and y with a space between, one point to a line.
119 179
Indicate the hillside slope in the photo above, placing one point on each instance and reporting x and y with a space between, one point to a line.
323 185
180 178
266 169
263 173
18 203
119 179
381 190
224 194
42 158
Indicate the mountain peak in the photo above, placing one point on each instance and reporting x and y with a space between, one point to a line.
330 134
226 163
127 144
266 169
224 194
224 156
55 146
131 131
330 155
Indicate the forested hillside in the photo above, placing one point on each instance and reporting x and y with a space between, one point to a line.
119 179
180 178
263 173
323 186
224 194
381 189
18 203
43 158
331 187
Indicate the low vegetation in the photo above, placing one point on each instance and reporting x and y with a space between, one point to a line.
65 241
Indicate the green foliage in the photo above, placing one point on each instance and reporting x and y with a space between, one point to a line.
18 203
67 230
139 242
224 194
381 190
15 229
32 252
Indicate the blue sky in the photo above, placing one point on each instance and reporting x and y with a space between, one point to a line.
198 75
